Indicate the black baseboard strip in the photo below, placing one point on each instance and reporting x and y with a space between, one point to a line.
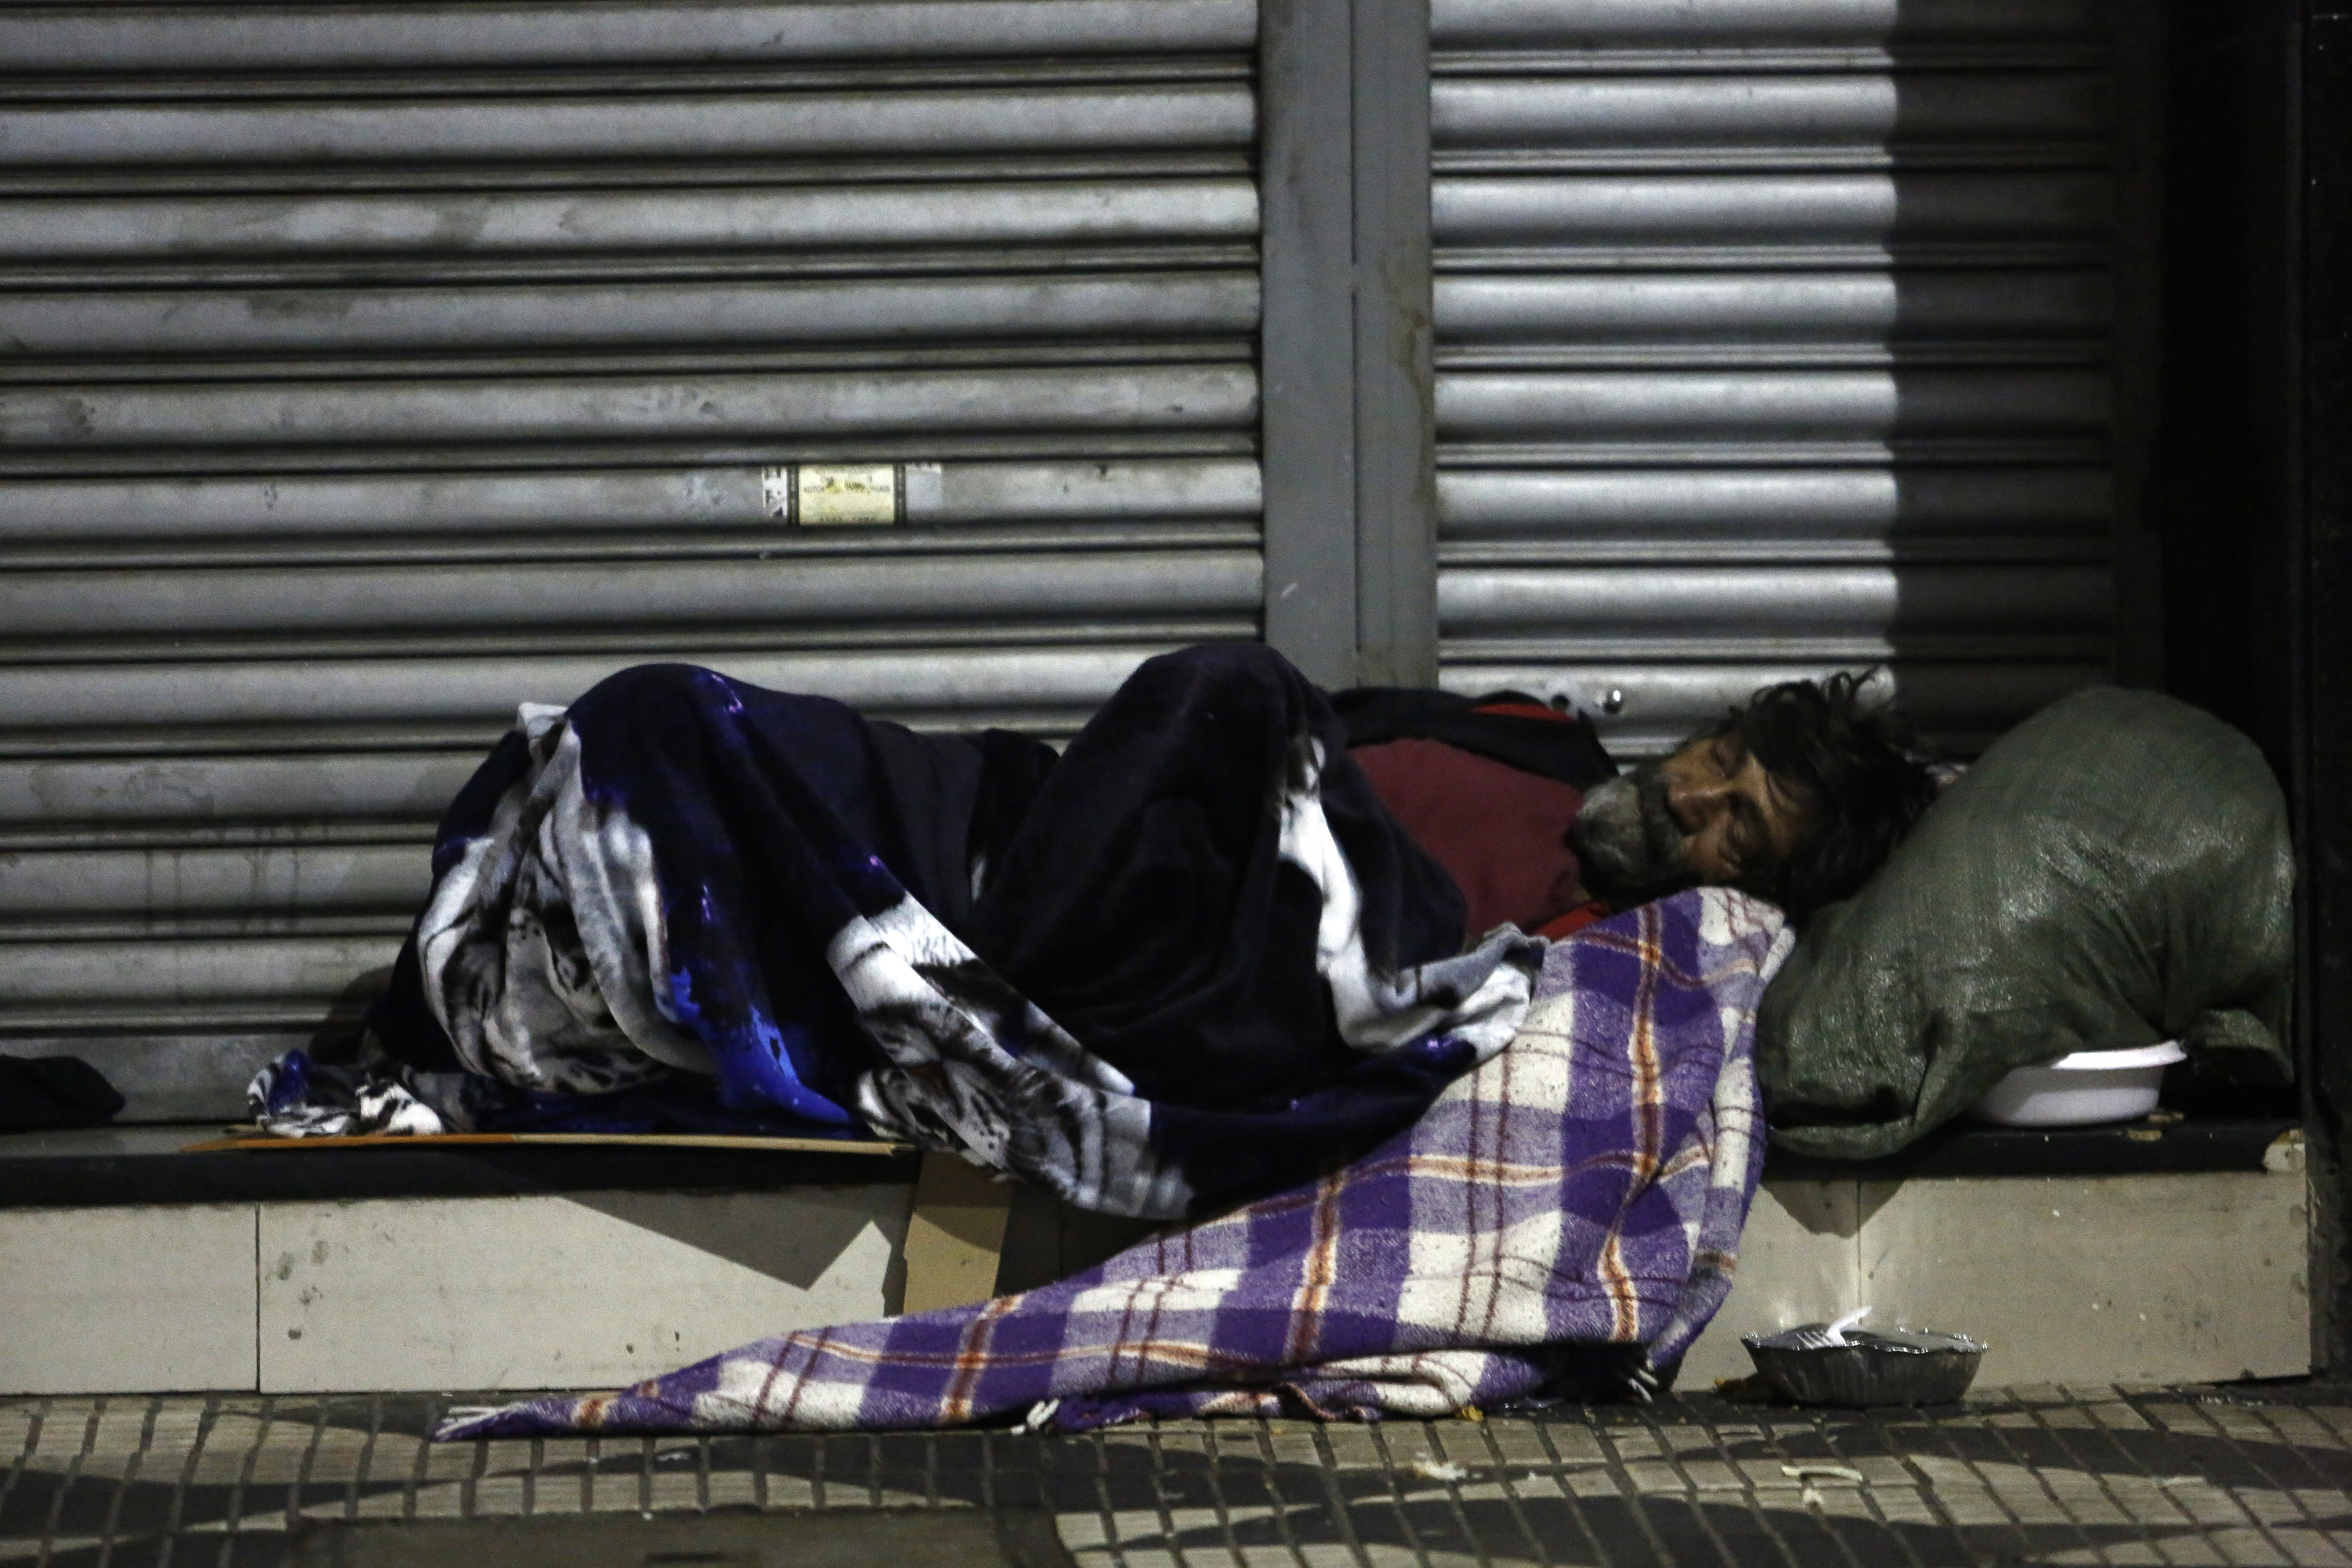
2127 1149
144 1166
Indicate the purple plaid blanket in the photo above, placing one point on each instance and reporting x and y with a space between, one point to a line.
1584 1188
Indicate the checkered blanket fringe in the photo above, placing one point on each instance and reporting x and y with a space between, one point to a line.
1583 1188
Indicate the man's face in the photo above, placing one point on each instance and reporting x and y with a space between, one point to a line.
1709 814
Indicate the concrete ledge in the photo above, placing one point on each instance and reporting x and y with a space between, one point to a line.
583 1292
2145 1279
578 1292
128 1300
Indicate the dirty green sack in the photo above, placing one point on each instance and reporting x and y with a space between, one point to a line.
2115 871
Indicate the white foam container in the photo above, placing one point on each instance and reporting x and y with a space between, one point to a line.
2081 1090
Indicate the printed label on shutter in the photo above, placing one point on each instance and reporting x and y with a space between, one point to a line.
829 494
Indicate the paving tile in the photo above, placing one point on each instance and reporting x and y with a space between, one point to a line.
1354 1447
1517 1443
1327 1554
1648 1477
1574 1444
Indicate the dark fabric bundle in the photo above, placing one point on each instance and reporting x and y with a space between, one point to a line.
1488 786
1145 903
2114 872
1500 832
42 1093
1191 958
1504 727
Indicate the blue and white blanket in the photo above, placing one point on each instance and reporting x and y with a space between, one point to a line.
1190 959
1565 1216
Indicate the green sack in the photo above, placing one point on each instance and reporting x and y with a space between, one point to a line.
2114 872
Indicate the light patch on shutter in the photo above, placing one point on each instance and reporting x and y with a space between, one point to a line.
922 489
856 493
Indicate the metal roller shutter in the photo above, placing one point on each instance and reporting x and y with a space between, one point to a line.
1776 336
366 370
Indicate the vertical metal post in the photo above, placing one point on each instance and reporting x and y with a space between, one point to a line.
1308 346
2137 535
1348 435
1396 437
2323 653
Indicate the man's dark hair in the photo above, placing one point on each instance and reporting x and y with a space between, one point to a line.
1848 766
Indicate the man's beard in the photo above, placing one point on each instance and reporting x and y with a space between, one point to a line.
1627 843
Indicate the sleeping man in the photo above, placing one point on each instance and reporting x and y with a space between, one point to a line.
1797 797
1198 954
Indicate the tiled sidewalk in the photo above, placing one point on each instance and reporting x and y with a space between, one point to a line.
2134 1476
